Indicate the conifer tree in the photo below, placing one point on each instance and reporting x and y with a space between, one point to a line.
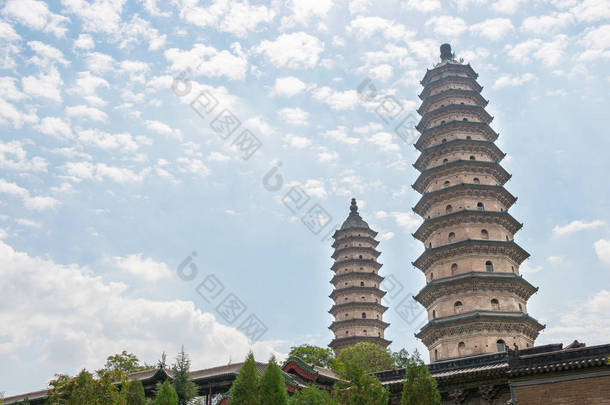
419 387
166 395
272 386
135 394
183 384
245 389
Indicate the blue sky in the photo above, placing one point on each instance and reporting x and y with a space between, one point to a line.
109 179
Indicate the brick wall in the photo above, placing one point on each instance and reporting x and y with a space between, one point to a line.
584 391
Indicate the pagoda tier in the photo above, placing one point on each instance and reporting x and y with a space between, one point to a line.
475 298
356 283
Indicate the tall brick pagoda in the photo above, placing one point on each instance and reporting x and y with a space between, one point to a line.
475 298
357 295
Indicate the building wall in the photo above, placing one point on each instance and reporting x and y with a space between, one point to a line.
581 389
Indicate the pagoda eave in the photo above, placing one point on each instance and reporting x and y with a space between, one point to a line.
464 216
458 145
468 166
473 281
469 246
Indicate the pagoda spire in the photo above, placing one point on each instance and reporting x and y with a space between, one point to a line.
474 295
356 284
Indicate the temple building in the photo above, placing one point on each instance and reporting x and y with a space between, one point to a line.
356 284
475 297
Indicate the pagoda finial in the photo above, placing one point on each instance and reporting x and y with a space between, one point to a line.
354 206
446 53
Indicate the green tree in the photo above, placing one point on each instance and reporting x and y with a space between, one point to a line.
184 385
367 357
166 395
419 387
272 385
402 358
359 388
135 393
310 395
322 357
124 362
245 388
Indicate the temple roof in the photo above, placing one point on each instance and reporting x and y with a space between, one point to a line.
354 220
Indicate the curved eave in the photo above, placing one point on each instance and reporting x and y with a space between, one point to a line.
365 239
365 249
454 108
436 288
431 255
442 81
352 340
503 218
347 262
464 128
463 189
371 290
358 305
448 67
339 232
449 94
455 145
472 166
476 316
360 275
365 322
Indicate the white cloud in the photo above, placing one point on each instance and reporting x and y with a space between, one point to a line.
83 111
507 80
259 125
297 142
586 320
163 129
9 90
303 11
218 157
463 5
447 26
527 268
192 13
84 41
408 221
297 50
10 113
8 33
55 126
102 16
209 61
591 10
142 267
596 42
602 250
243 17
288 86
366 27
28 222
384 141
40 203
545 24
325 156
336 99
98 62
576 226
494 28
86 86
46 54
506 6
36 15
44 85
340 135
12 189
193 166
313 188
100 171
232 212
425 6
67 313
122 142
14 157
555 260
294 116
